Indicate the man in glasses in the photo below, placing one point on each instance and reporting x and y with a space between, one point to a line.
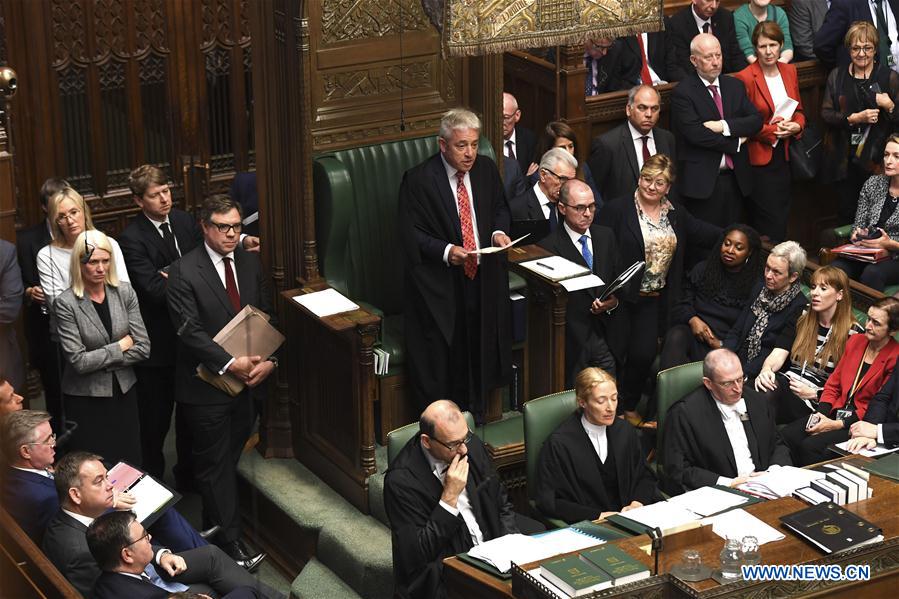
580 240
541 201
86 494
519 142
206 288
722 433
442 497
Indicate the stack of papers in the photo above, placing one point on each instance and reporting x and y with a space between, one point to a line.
780 481
737 524
663 515
521 549
706 501
325 303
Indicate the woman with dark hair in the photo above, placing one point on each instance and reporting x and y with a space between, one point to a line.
866 365
713 296
559 134
821 336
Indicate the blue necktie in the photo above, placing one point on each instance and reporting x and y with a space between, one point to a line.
585 251
153 577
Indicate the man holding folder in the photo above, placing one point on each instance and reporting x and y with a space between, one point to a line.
206 289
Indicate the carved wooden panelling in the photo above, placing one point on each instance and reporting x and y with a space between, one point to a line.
348 20
378 81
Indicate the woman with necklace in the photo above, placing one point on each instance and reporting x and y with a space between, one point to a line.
651 228
859 109
866 365
876 223
770 85
821 336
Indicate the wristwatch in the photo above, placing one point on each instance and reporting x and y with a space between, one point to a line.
273 360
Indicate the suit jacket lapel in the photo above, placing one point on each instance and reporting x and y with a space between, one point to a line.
752 434
210 275
715 426
442 184
117 314
152 234
762 86
246 283
87 308
703 91
627 146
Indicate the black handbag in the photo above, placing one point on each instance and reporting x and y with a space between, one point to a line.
806 153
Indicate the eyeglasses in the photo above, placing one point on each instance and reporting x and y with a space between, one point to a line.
657 183
731 384
509 117
862 49
71 215
582 208
455 445
226 228
138 540
561 178
51 441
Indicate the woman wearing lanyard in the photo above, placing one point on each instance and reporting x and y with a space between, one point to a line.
821 336
866 365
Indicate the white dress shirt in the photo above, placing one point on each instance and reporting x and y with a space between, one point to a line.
891 29
44 473
736 434
700 21
576 240
545 204
454 188
512 138
637 138
463 504
597 435
158 224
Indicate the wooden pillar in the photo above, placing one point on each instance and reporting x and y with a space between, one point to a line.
7 180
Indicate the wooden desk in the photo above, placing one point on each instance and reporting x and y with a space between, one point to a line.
463 580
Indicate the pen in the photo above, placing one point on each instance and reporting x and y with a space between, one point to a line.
546 266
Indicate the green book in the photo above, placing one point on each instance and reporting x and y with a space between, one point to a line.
574 576
887 466
616 563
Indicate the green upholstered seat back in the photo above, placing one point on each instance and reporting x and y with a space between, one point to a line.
397 438
356 206
671 385
542 416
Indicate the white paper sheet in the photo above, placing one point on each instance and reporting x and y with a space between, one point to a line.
871 453
555 268
706 501
662 515
521 549
150 496
578 283
781 480
737 524
492 249
326 302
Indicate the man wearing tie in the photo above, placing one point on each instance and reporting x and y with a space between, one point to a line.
541 201
649 50
587 320
721 433
617 156
702 16
154 239
711 117
206 289
519 142
456 309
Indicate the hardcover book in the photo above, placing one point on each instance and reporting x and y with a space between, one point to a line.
616 563
574 576
832 528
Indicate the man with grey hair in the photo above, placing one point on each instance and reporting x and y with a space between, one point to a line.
519 142
541 201
617 155
457 314
722 433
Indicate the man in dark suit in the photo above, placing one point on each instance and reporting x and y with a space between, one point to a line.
11 289
648 50
702 16
610 66
829 39
881 422
593 246
722 433
541 201
122 549
42 352
156 237
442 497
29 494
86 494
457 315
806 18
711 119
204 293
519 142
617 156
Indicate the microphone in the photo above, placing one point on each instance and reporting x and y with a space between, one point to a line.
88 250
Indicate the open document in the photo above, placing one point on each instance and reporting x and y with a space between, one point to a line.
623 279
503 551
493 249
151 495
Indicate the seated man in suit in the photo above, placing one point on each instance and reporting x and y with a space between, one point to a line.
702 16
592 466
806 18
617 155
85 494
541 201
518 141
722 433
881 422
711 117
593 246
442 497
122 549
29 494
610 66
648 50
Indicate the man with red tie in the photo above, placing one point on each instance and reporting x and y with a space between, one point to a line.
457 313
649 50
206 288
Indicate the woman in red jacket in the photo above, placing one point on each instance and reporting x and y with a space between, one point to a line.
771 85
867 364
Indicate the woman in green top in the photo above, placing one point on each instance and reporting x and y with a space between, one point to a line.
756 11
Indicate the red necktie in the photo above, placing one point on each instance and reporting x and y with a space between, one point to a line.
471 264
231 285
645 139
645 77
728 161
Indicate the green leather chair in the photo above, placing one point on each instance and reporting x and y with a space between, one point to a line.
397 438
542 416
671 385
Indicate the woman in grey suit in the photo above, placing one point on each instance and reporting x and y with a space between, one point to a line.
101 334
